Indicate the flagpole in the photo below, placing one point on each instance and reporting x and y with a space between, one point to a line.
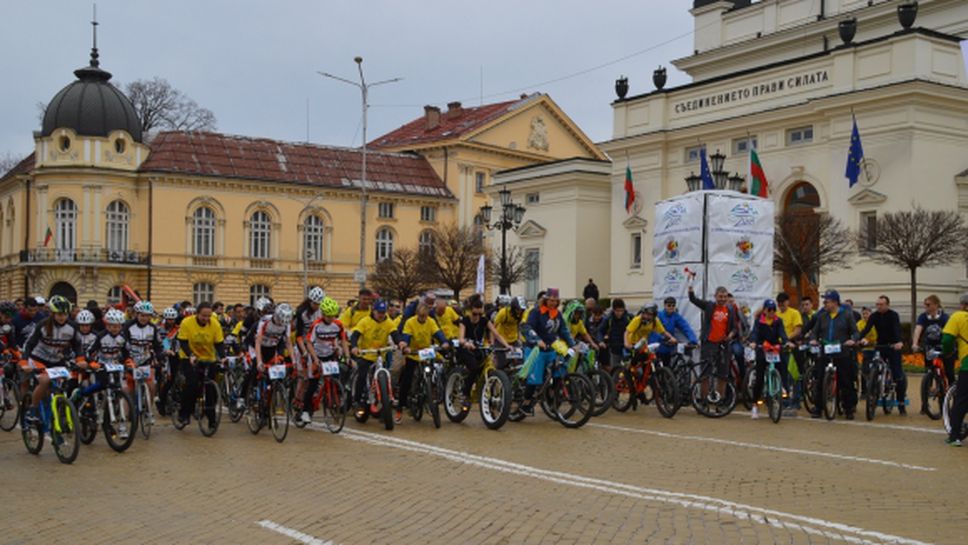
749 164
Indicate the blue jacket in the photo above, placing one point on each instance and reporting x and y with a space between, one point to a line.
542 326
672 322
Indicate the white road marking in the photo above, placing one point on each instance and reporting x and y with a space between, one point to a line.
778 519
294 534
760 446
862 424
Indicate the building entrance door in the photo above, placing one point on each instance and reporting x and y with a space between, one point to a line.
798 227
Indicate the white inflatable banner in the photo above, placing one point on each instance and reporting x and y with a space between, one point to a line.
677 236
673 281
750 285
740 230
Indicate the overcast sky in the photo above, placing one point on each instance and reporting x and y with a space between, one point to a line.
254 63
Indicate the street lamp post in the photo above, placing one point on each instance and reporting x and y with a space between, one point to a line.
364 88
511 216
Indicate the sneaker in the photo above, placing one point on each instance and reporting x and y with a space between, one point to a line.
123 430
952 442
755 412
398 415
305 418
901 409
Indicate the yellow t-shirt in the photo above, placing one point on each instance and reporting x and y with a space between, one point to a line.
421 334
201 340
577 329
449 323
640 331
871 336
396 321
373 334
791 320
352 316
957 327
507 326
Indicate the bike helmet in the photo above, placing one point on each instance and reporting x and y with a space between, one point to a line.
59 303
329 307
519 303
769 304
85 317
263 305
317 295
503 300
114 316
650 309
189 311
144 307
283 314
8 309
170 313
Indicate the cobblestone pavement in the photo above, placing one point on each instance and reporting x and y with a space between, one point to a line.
624 478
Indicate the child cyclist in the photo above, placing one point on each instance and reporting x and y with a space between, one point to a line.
767 330
325 341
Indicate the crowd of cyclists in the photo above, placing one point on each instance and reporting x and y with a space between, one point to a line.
824 359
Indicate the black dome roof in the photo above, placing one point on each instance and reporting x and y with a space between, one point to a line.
91 106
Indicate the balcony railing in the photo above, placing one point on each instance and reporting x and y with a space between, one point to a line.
204 261
260 263
83 255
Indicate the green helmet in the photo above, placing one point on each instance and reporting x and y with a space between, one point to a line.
59 303
329 307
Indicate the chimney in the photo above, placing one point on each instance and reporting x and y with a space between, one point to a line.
454 110
432 116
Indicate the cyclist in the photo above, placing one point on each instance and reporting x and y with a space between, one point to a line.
306 315
419 332
793 326
887 323
955 341
200 346
85 327
508 322
867 352
674 323
428 298
394 309
447 318
109 347
143 341
50 344
720 324
545 325
612 331
167 334
835 325
356 312
272 338
475 331
928 331
644 324
371 332
575 318
768 328
326 340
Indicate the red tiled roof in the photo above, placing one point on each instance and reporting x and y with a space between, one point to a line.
416 131
226 156
23 167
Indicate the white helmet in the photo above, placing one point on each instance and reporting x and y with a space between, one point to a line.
283 314
144 307
114 316
316 295
85 317
503 300
170 313
189 311
262 304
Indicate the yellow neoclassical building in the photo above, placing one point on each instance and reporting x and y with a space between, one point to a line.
100 210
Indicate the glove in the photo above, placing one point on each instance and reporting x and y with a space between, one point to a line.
571 353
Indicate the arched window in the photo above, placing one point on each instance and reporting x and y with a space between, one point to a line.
425 243
203 291
384 244
117 226
114 295
203 231
313 230
65 220
257 291
260 228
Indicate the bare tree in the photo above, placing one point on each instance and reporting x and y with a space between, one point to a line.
518 269
912 239
8 161
809 245
453 261
161 106
401 276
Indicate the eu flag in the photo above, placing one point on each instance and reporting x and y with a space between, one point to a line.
704 172
855 157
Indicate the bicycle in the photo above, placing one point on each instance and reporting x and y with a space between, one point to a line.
808 381
230 380
949 402
706 398
642 371
379 396
586 362
329 397
207 403
9 394
880 385
686 371
561 395
772 382
142 399
934 385
55 414
493 387
267 401
830 398
423 391
110 406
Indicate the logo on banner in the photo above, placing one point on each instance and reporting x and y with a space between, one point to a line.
673 216
744 249
674 281
743 214
743 281
672 249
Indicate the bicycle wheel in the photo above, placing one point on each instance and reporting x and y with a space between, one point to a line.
830 394
889 399
604 389
385 400
873 393
949 403
454 395
515 414
63 432
932 395
279 411
774 398
417 395
333 405
363 414
573 397
145 417
9 406
87 419
174 402
120 419
624 389
207 407
495 399
809 388
234 380
253 409
747 388
33 434
430 399
663 383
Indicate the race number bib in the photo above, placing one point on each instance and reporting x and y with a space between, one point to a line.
750 354
142 373
831 348
330 368
113 367
515 354
277 372
773 357
681 349
58 373
427 354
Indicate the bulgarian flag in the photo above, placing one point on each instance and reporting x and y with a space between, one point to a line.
48 236
629 190
758 185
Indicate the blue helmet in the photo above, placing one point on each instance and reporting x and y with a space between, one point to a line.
769 304
380 306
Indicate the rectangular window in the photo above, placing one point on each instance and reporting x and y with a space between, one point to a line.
636 250
428 213
532 259
533 198
386 209
868 226
692 154
742 146
800 135
479 182
203 291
